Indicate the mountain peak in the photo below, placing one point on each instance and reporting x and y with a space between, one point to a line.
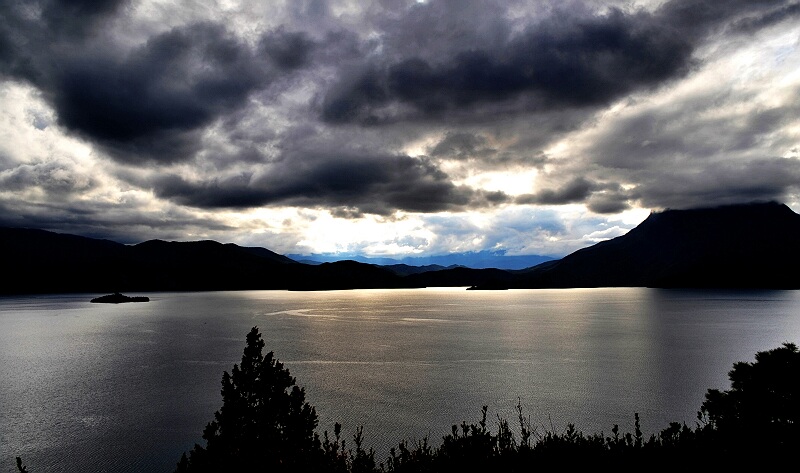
752 245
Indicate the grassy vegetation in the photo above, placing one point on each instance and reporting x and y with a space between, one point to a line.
265 424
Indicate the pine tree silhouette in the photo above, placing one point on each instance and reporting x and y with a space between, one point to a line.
264 423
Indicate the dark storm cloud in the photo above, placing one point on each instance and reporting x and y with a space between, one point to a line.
609 202
499 83
149 103
120 222
576 190
461 145
572 58
569 59
601 198
288 50
355 183
696 17
152 103
177 80
483 153
679 156
75 18
31 29
722 182
150 100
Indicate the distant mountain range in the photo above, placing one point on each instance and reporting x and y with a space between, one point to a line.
472 259
736 246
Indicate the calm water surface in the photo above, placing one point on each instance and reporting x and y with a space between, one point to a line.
92 387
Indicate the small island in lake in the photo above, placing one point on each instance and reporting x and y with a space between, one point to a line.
118 298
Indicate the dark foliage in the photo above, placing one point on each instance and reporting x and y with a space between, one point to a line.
761 411
266 425
264 421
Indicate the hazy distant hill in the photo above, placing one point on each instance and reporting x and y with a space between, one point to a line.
407 270
735 246
473 259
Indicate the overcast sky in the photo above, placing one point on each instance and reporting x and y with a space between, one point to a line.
392 127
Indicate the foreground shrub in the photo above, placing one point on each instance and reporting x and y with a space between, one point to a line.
761 411
265 424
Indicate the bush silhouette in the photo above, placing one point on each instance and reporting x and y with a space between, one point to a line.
264 422
762 408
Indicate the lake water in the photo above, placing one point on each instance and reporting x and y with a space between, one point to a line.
93 387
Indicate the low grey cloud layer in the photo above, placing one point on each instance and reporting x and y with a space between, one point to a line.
389 110
562 60
372 184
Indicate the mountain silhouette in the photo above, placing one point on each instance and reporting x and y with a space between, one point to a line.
38 261
347 275
454 277
736 246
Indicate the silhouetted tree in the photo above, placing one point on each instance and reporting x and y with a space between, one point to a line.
762 408
264 422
